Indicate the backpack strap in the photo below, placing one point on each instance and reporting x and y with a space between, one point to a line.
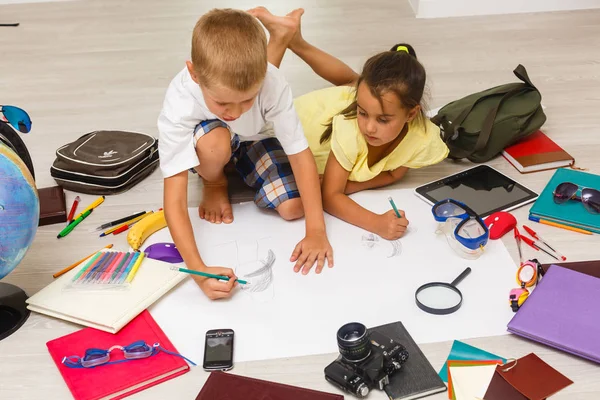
521 73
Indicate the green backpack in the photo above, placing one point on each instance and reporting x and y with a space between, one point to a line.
479 126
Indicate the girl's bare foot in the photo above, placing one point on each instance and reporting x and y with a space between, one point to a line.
215 206
285 29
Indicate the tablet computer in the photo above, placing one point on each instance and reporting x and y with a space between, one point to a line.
483 188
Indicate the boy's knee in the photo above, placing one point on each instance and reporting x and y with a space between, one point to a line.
291 209
214 147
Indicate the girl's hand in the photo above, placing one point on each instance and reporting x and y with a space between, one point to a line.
389 226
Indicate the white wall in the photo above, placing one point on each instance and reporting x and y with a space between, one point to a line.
459 8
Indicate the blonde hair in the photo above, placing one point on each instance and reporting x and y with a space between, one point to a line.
229 47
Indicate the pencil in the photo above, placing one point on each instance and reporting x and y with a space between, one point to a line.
136 266
70 267
206 275
120 221
95 204
394 207
557 225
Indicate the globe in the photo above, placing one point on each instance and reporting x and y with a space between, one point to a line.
19 210
19 218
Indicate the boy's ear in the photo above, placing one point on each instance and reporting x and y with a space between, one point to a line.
190 68
412 114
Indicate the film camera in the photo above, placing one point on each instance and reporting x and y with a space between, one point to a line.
366 361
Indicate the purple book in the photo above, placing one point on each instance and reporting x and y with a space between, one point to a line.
562 312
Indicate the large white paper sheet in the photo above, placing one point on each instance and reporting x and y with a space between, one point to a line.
299 315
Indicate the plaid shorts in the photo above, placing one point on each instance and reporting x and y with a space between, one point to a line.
262 164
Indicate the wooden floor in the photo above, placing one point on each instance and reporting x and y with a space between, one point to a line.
86 65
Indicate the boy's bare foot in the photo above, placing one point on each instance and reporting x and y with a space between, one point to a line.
215 206
285 29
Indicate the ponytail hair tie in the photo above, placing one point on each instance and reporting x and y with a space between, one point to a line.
402 48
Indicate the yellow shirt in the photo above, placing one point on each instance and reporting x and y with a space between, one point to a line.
422 145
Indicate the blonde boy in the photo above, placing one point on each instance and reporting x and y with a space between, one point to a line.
215 111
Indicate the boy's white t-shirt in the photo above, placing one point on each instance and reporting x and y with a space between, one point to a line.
184 108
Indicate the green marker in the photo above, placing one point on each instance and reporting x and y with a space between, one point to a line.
207 275
73 224
394 207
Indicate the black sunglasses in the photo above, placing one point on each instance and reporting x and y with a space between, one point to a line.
590 198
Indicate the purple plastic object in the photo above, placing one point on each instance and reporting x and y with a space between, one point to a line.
166 252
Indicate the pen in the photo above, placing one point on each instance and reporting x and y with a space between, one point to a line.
125 224
73 208
119 221
394 207
534 235
95 204
73 224
518 240
535 246
206 275
557 225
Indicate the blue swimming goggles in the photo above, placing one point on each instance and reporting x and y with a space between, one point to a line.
464 223
17 117
135 351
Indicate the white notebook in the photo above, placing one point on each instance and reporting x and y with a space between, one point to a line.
106 310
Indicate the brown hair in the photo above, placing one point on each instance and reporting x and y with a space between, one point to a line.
229 47
393 71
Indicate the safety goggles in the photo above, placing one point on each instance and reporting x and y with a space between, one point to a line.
135 351
461 224
590 198
17 117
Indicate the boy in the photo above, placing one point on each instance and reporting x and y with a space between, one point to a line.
215 111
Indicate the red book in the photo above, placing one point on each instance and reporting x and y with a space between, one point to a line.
117 381
537 152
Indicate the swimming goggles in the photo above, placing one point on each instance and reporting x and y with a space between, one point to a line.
17 117
135 351
528 276
466 232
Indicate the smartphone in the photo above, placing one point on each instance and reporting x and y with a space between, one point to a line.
218 350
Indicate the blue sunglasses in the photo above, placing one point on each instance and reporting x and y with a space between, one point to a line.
17 117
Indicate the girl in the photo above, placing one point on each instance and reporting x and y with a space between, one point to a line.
366 132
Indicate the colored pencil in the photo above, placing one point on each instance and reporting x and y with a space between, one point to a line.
125 268
85 268
70 267
120 221
557 225
108 274
135 268
129 268
95 204
83 273
206 275
127 223
394 207
73 224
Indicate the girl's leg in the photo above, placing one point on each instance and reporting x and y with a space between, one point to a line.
285 32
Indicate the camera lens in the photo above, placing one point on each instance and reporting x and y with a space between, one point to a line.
353 342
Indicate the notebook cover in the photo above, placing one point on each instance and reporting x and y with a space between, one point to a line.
224 386
537 152
465 363
470 381
562 312
499 389
416 378
118 380
53 209
107 310
534 378
571 212
463 351
591 267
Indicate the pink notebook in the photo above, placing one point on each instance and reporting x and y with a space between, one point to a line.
116 381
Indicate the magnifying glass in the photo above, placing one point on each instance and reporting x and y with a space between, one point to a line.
441 298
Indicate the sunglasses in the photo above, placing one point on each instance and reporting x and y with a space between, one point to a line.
17 117
468 228
590 198
135 351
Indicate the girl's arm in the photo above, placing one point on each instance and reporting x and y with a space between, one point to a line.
338 204
383 179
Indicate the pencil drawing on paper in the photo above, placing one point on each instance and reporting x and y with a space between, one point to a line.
393 248
261 278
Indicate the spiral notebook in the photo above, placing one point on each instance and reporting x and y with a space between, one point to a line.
106 310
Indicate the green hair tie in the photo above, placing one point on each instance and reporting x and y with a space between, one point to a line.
402 48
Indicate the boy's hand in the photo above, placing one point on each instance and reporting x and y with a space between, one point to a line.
389 226
314 247
214 288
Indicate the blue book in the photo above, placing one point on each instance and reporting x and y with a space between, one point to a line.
571 213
